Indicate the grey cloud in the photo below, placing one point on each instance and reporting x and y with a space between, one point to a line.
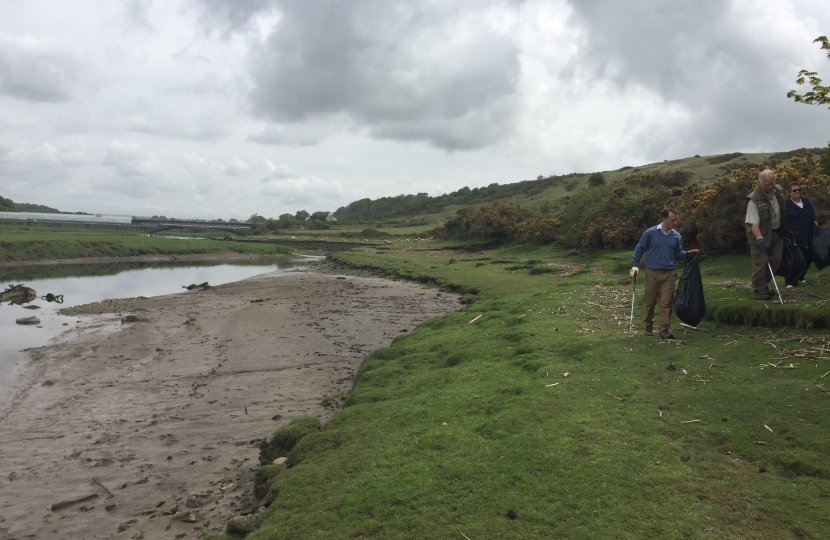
702 56
39 172
31 159
412 71
475 130
137 13
237 168
157 119
297 135
36 71
231 14
202 131
300 190
659 44
129 160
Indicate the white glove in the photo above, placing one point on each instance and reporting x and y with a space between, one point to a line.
634 271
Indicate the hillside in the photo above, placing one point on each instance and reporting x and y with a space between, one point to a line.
424 211
8 205
705 169
31 207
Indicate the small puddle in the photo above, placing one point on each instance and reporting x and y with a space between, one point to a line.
82 284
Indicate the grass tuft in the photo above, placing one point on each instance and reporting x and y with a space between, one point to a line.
283 441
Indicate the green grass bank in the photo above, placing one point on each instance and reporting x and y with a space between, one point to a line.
535 399
33 243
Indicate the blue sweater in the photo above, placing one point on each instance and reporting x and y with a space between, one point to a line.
661 250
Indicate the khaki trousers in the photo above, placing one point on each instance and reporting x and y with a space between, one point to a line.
760 272
660 283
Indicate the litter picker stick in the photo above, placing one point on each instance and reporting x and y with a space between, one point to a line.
633 291
775 282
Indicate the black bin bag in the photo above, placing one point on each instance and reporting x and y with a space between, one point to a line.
793 262
689 303
820 249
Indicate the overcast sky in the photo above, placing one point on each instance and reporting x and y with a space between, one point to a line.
226 108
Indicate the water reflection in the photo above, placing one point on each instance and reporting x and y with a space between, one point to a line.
18 295
27 273
85 283
180 237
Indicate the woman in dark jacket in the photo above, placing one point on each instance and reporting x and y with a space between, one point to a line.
801 220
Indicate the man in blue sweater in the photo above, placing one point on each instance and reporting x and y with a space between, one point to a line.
662 247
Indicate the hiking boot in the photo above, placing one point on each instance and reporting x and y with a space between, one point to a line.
762 296
665 334
649 329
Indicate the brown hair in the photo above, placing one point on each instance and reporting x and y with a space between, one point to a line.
666 211
791 184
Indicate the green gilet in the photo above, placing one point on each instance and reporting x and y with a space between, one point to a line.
765 215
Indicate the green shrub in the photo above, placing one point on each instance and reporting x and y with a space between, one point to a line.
824 162
614 216
371 232
499 221
596 180
315 225
539 230
7 205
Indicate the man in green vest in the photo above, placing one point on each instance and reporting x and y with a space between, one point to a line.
766 226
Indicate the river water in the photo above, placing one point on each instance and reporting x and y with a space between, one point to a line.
82 284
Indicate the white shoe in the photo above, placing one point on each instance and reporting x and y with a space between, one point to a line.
789 286
802 282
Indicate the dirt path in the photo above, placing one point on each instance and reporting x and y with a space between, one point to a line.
159 420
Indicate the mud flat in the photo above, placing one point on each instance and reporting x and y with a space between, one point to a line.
149 429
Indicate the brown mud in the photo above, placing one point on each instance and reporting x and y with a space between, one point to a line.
149 429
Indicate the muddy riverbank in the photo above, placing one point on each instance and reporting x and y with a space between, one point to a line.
156 422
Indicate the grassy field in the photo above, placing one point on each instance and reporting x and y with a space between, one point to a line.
535 399
32 243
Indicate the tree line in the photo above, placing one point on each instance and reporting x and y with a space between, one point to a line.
408 205
311 221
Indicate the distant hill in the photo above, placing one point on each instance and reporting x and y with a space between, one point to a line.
40 208
7 205
29 207
406 205
705 169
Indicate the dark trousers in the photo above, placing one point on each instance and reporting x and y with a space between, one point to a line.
807 257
